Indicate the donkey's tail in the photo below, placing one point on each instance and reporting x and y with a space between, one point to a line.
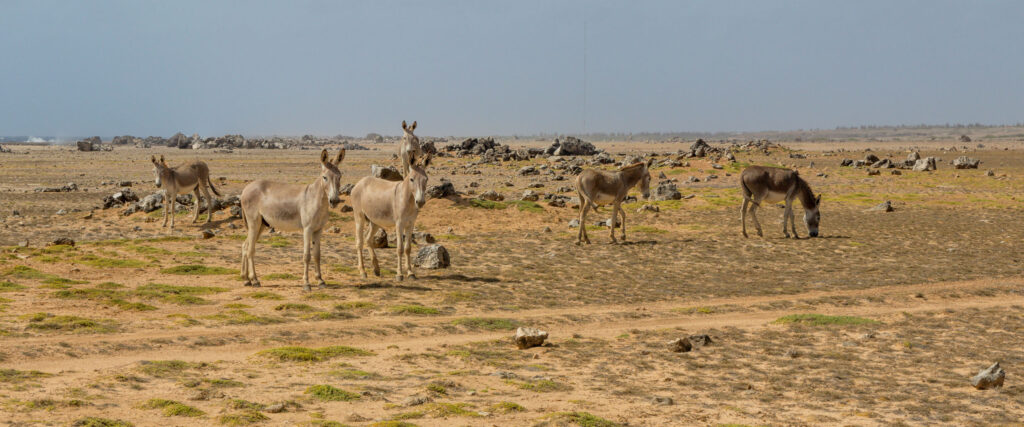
583 197
747 193
210 183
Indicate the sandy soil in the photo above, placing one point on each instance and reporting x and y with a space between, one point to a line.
110 329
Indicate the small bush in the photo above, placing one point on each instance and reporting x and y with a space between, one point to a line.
100 422
507 407
173 408
305 354
414 309
823 320
331 394
49 322
242 418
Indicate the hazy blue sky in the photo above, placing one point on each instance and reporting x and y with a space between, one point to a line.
503 67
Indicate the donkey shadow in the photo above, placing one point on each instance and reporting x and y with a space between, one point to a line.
386 285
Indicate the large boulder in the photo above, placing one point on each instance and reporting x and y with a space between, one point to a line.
571 146
379 240
445 189
965 138
389 173
870 158
491 195
89 144
926 164
992 377
964 162
699 148
179 140
914 156
432 257
123 140
126 195
529 337
666 190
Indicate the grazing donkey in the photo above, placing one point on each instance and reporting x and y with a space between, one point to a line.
290 207
381 203
409 148
773 185
193 177
597 188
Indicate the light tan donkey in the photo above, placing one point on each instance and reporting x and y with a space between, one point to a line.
381 203
409 147
291 207
598 188
773 185
194 177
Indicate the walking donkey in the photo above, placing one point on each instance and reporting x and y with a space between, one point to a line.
290 207
409 148
192 177
773 185
598 188
381 203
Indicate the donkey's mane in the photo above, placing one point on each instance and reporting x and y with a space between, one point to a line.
632 166
803 191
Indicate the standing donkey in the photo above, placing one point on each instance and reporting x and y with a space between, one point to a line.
193 177
409 147
290 207
773 185
598 188
381 203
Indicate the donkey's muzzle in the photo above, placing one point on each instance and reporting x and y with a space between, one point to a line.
814 233
334 202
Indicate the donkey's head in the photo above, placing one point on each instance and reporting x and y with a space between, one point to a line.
331 176
812 216
160 170
408 136
418 178
645 179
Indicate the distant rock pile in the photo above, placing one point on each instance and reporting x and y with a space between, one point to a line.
571 146
914 161
93 144
4 149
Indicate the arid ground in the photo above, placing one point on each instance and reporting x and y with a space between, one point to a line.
142 325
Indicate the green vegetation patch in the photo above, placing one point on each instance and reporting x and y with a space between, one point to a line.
197 269
526 206
245 404
100 422
489 323
355 305
95 261
823 320
266 295
129 305
280 276
242 418
176 294
168 368
14 376
506 407
291 306
331 394
172 408
26 272
50 322
647 229
414 309
541 386
319 296
582 419
10 287
242 317
306 354
487 204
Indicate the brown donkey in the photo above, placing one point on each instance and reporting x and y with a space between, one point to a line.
381 203
598 188
192 177
773 185
290 207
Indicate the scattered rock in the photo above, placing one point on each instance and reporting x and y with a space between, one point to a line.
389 173
492 196
885 206
989 378
416 400
666 190
120 198
964 162
965 138
700 340
571 146
432 257
873 172
574 223
648 208
870 158
530 196
275 408
925 164
207 234
62 241
529 337
527 170
913 157
547 229
662 401
445 189
679 345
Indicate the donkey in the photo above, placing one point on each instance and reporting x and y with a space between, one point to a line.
597 188
773 185
409 147
290 207
192 177
381 203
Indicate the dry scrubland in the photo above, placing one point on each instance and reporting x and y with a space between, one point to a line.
116 328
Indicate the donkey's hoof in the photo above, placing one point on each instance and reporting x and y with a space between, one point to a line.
411 276
399 277
256 284
306 287
376 272
247 283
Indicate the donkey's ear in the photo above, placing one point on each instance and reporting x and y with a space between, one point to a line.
413 127
404 126
426 161
650 162
818 200
164 162
323 156
341 155
153 159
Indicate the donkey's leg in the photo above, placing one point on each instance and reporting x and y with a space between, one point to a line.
584 207
317 237
245 262
753 215
373 252
209 202
785 217
307 241
255 227
360 238
622 213
792 222
743 215
614 219
408 252
168 205
195 192
400 236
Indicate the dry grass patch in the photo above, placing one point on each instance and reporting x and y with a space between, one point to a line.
414 309
198 269
823 320
306 354
488 323
242 317
331 394
65 323
14 376
100 422
582 419
171 408
266 295
242 418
